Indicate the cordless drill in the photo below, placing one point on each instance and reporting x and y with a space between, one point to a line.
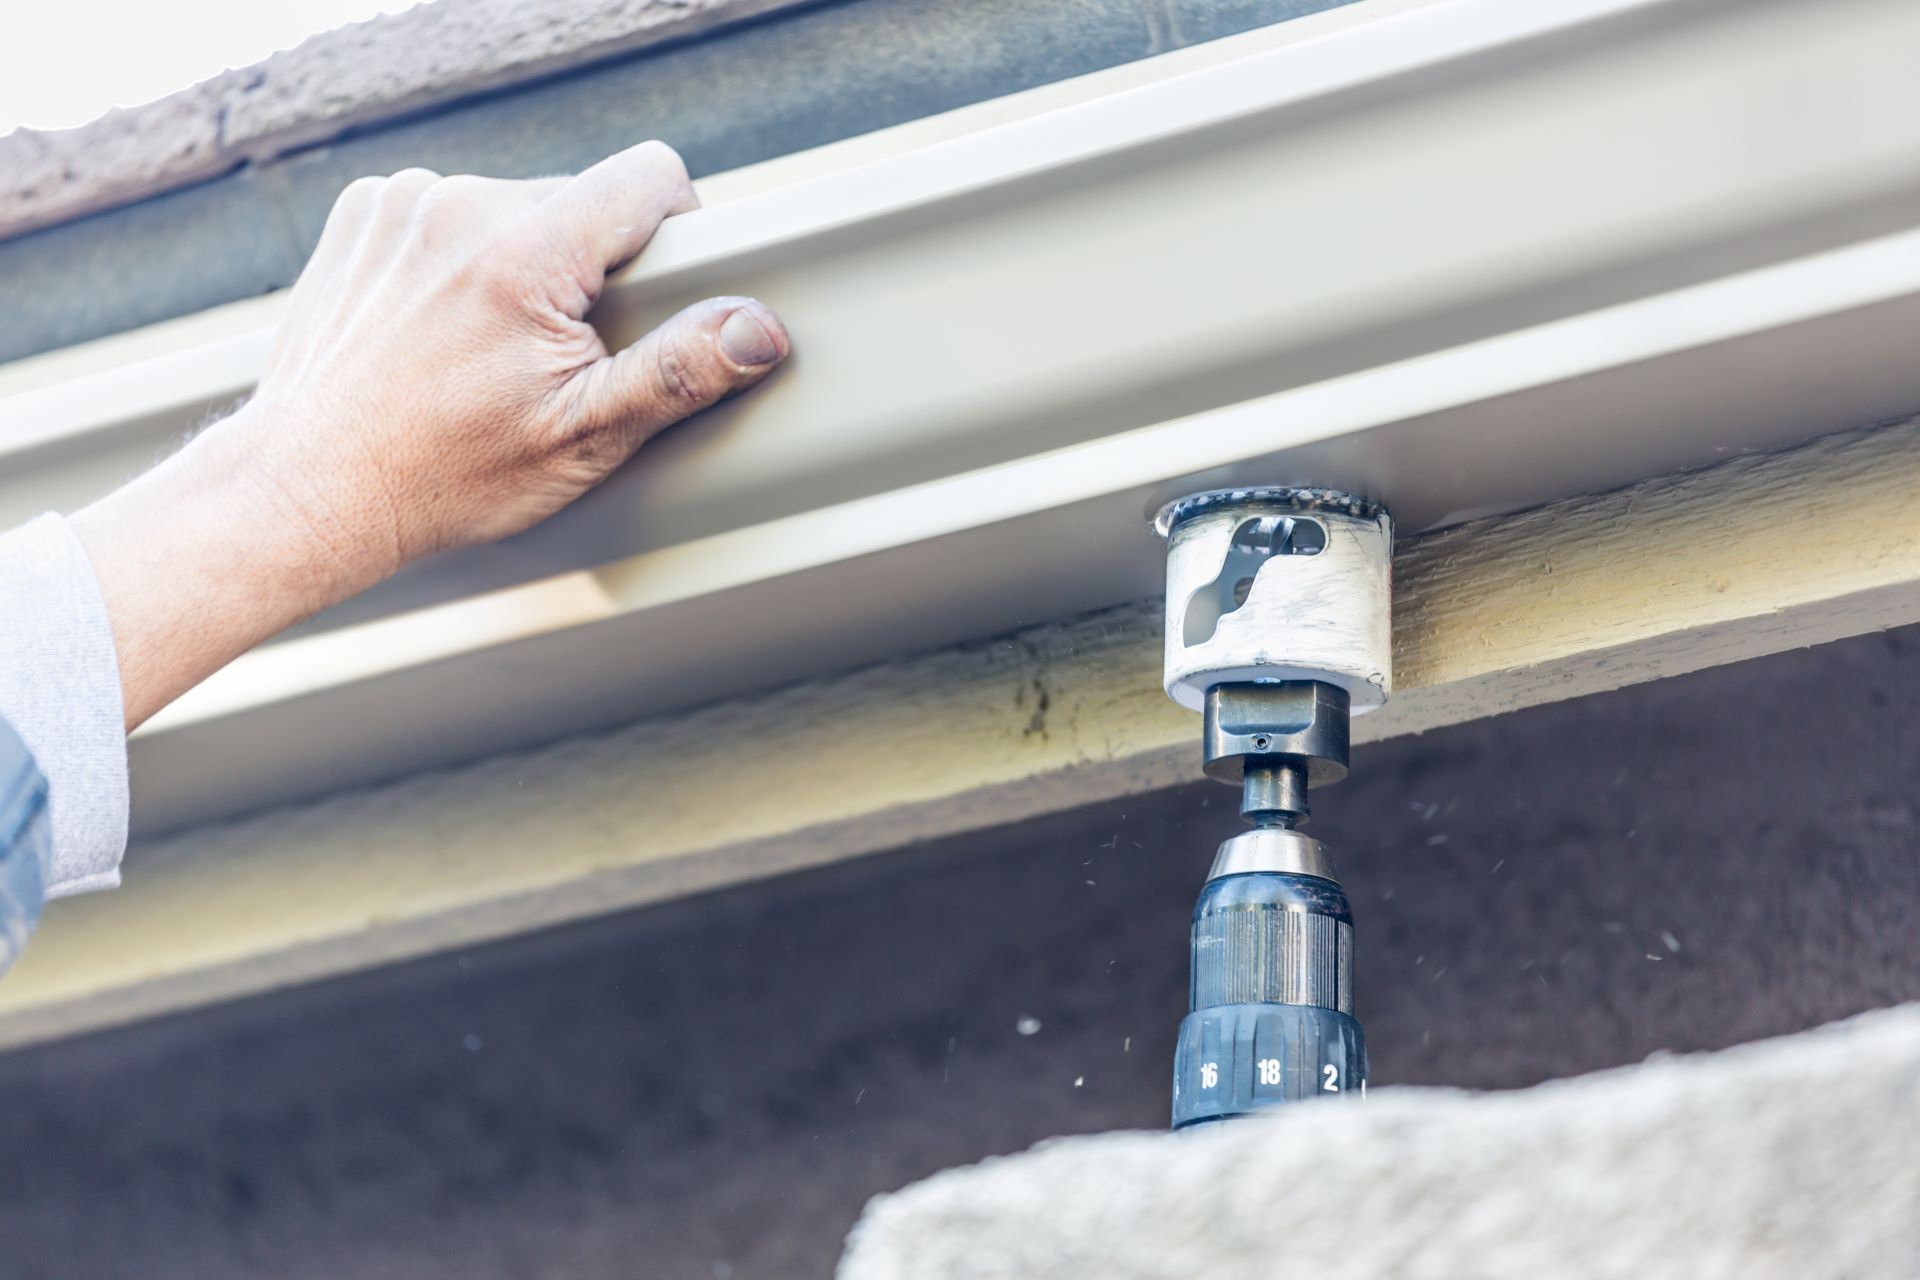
1278 632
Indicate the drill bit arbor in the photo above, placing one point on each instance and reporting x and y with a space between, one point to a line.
1277 630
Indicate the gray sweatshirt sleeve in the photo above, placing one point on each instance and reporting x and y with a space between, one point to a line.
60 690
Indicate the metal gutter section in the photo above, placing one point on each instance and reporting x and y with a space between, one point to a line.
1578 597
1466 256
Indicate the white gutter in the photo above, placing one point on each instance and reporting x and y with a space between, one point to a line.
1467 257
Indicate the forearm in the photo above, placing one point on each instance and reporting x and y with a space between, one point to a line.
207 555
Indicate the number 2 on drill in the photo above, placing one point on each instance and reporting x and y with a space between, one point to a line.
1332 1078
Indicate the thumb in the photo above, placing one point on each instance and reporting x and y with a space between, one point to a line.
698 357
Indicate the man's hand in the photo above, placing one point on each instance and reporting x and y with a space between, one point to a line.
434 384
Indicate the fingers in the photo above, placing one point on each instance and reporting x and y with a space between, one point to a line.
346 223
610 212
599 219
383 207
394 206
698 357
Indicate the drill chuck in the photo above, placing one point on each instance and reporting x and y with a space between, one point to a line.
1271 996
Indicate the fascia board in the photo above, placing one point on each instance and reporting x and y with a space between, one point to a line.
1757 555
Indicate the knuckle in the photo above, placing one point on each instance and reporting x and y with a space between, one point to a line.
361 190
684 375
658 152
404 189
448 199
456 188
356 198
667 162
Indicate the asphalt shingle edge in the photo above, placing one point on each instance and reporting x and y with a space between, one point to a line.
338 80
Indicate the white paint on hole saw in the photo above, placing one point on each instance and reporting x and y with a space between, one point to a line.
1320 617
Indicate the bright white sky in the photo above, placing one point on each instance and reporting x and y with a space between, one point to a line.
65 62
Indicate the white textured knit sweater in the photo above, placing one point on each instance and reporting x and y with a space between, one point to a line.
60 690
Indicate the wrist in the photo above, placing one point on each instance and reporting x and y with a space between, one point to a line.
325 521
216 549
